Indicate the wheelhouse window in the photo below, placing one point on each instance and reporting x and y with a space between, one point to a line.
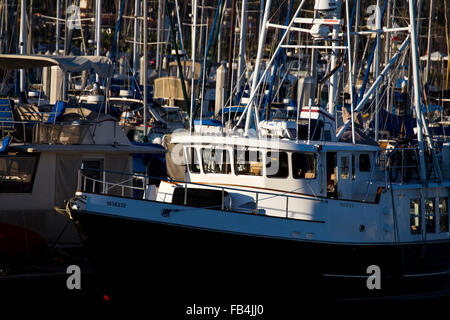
17 173
430 220
248 162
443 215
216 161
345 172
277 165
415 216
304 165
194 161
364 163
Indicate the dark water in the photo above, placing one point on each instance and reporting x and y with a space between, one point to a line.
48 295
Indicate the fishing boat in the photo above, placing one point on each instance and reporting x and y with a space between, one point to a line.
284 209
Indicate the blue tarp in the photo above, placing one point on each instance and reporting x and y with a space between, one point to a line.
393 123
5 143
208 122
233 109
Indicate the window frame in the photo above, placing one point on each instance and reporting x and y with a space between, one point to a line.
227 152
415 216
273 176
298 153
259 155
22 187
443 213
341 171
369 168
430 214
190 159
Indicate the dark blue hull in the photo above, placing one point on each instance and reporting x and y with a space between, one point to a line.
140 258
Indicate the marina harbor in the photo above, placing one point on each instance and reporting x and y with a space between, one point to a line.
225 158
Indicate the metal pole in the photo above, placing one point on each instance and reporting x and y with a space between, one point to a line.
98 32
262 40
22 40
416 84
243 33
377 67
350 83
230 50
194 38
158 38
144 69
333 84
430 26
137 5
58 16
355 45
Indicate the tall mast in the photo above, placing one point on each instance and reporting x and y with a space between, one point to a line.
417 104
144 69
377 66
243 33
137 5
194 39
58 30
262 41
98 32
22 41
332 91
430 26
158 38
230 50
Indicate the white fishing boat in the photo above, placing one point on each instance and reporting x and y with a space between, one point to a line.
288 209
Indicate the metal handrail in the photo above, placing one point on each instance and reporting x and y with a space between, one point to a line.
82 186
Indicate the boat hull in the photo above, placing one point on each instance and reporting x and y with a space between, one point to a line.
137 257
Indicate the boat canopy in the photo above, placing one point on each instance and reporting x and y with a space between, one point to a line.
101 65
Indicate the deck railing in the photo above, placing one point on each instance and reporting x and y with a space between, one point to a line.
126 187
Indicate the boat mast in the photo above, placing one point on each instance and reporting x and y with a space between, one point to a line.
416 84
137 4
230 51
194 38
332 89
144 69
98 32
430 26
243 33
22 41
158 39
58 30
377 66
262 41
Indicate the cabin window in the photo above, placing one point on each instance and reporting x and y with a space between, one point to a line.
277 165
216 161
304 165
345 171
415 216
17 173
443 215
194 161
430 220
248 162
364 163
